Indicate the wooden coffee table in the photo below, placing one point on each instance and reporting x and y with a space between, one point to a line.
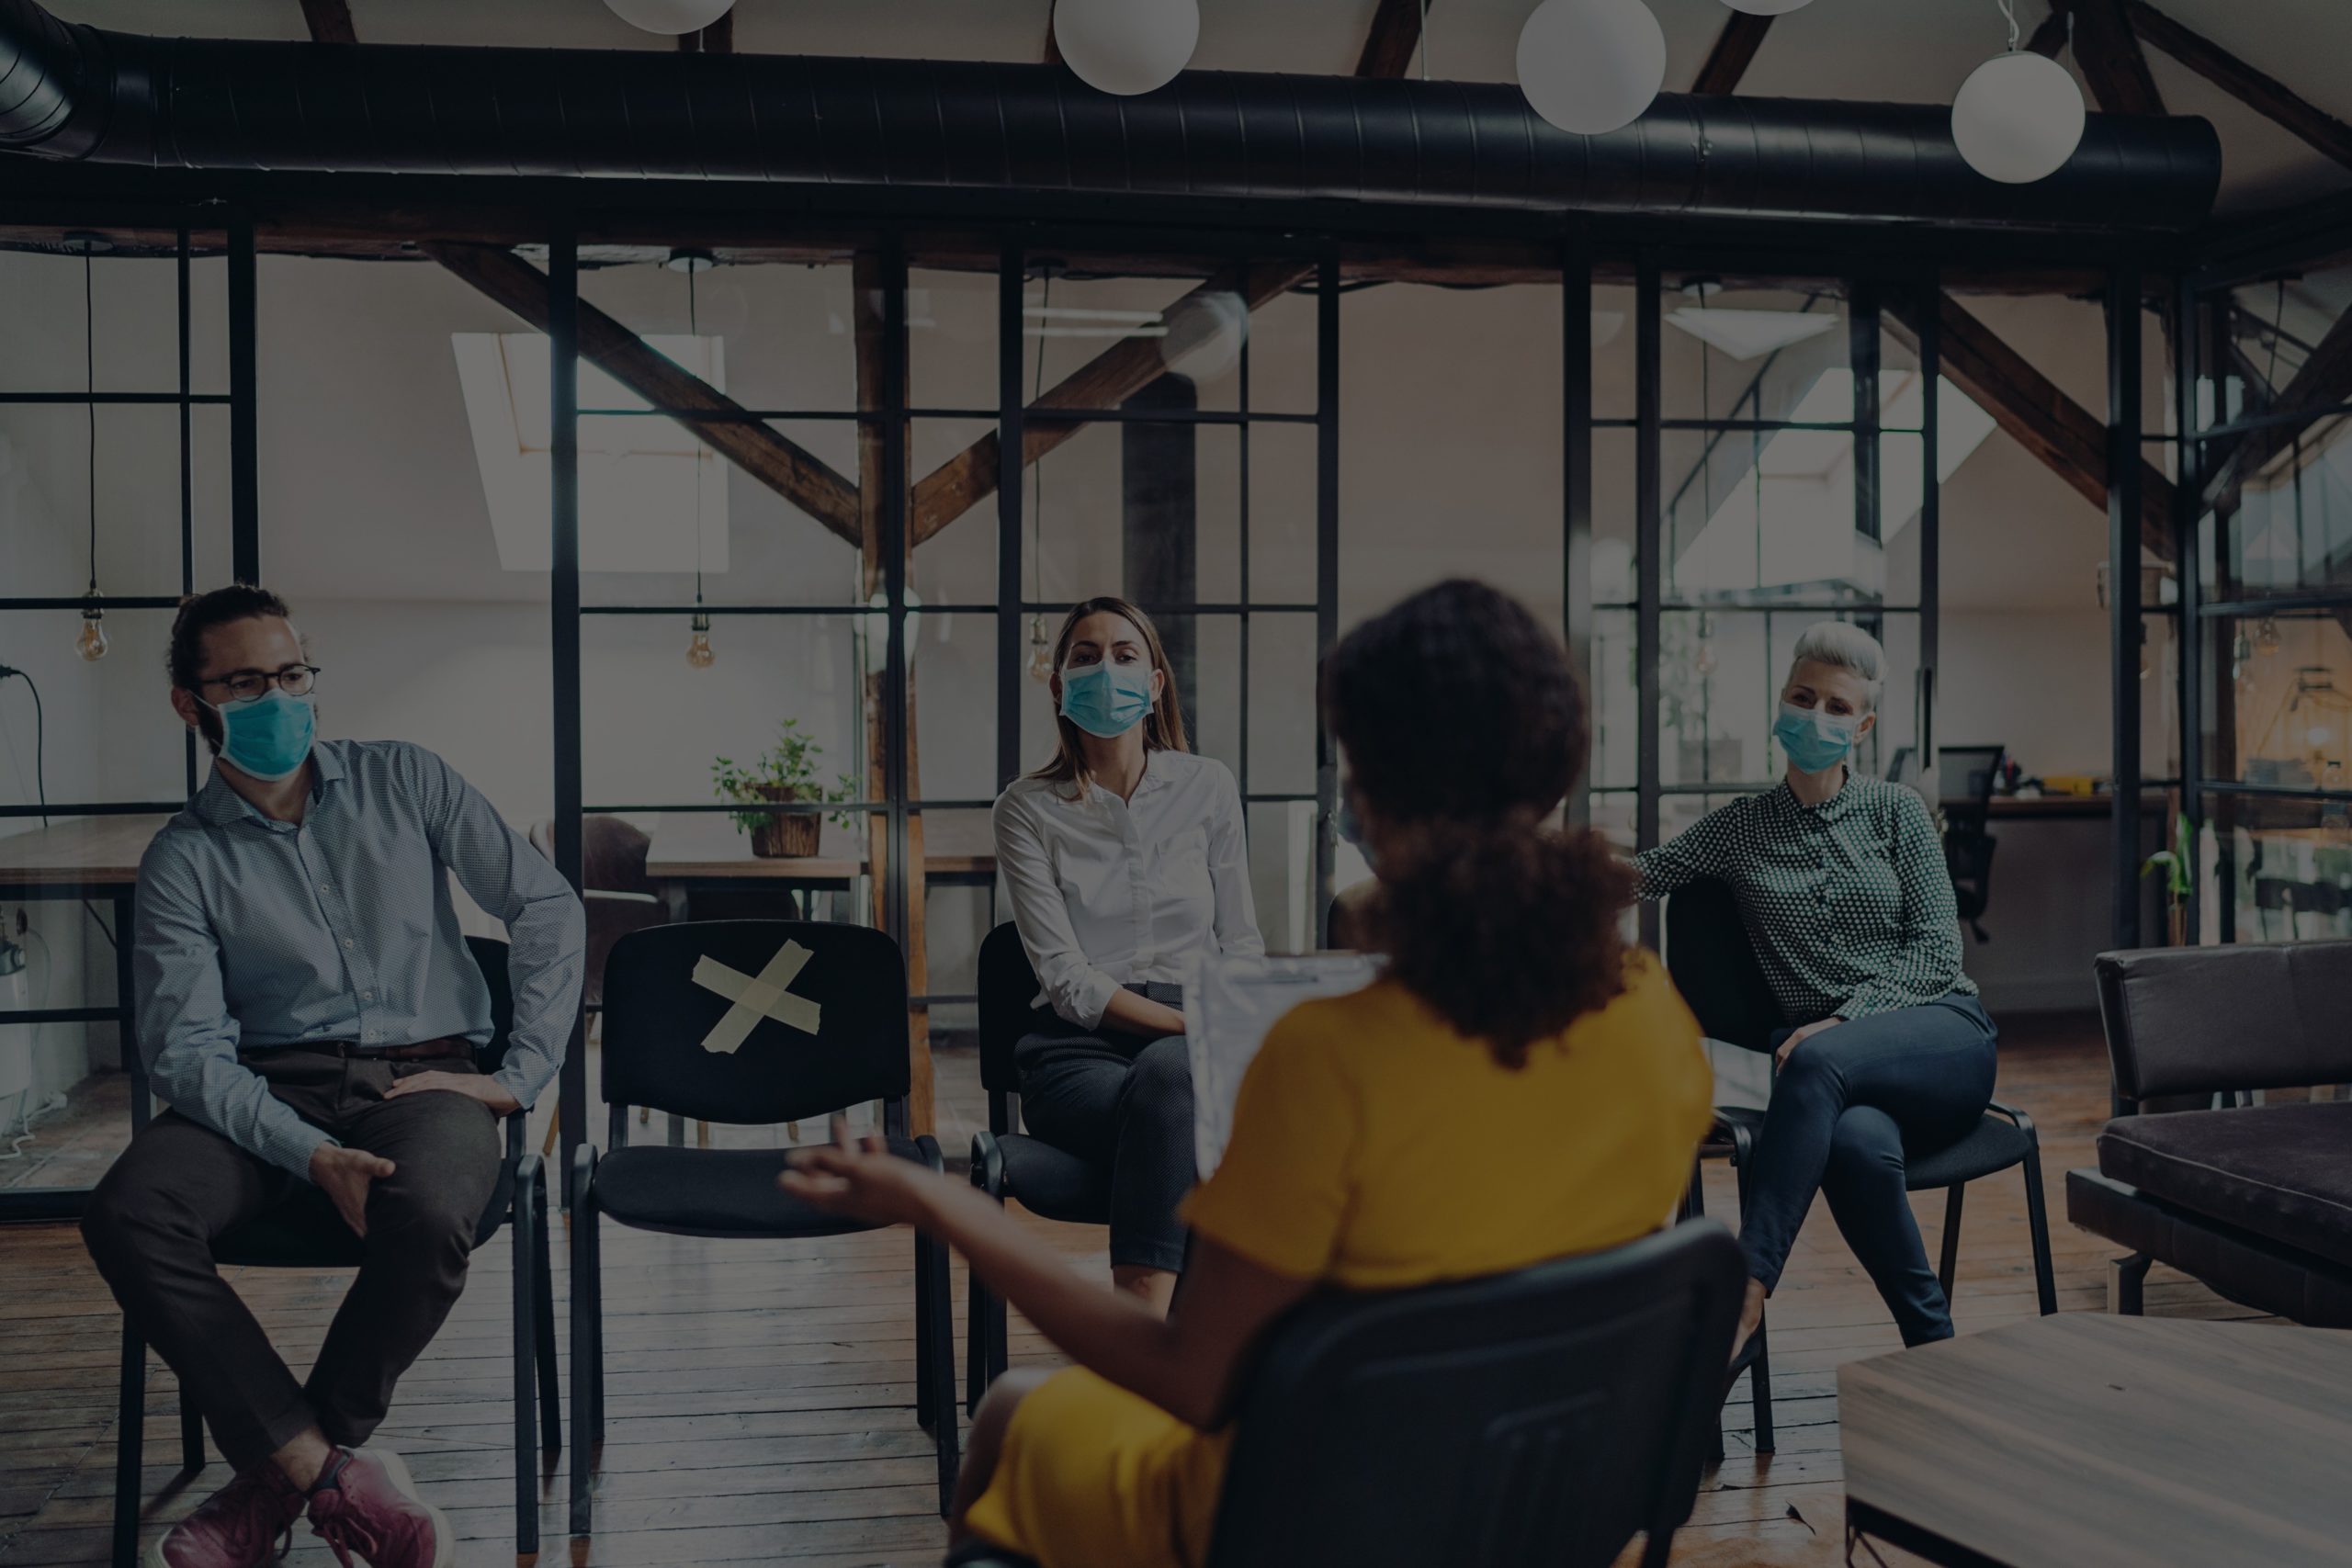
2085 1440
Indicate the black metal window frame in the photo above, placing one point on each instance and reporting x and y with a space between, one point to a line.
2201 303
65 1202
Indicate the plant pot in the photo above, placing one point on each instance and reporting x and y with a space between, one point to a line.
2176 923
785 836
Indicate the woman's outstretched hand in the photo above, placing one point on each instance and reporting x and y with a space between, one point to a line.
860 1178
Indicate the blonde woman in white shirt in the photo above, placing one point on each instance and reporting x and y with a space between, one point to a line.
1120 858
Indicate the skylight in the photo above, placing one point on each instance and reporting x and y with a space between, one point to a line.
638 472
1745 335
1790 519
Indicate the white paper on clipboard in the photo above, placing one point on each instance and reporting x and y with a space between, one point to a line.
1230 1003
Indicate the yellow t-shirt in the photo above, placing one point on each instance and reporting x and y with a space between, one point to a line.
1375 1147
1372 1147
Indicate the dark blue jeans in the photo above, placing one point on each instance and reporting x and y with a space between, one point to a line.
1844 1106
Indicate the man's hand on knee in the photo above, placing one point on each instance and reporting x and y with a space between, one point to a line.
344 1175
474 1086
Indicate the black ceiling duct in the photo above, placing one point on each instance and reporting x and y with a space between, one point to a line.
70 91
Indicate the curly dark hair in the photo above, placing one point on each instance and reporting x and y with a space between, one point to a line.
1462 720
199 613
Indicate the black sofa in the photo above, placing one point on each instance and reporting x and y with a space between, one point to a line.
2253 1199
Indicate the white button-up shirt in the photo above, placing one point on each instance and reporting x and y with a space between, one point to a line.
1109 892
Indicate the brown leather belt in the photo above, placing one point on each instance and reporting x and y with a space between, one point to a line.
449 1048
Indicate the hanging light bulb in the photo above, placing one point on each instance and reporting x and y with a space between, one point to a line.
2019 116
698 650
700 654
1041 652
2266 636
92 642
1591 67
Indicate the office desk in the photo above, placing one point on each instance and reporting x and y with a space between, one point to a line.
2048 807
87 858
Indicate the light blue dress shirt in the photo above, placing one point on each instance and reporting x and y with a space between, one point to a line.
253 934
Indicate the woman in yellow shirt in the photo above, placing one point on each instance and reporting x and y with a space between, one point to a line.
1518 1086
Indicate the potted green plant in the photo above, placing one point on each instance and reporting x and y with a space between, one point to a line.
2176 863
786 772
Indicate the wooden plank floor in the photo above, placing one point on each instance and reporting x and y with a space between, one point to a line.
760 1394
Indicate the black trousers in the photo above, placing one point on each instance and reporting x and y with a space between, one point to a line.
1843 1107
1122 1100
151 1222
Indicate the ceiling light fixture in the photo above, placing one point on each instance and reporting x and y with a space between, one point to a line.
700 654
1126 47
2019 116
91 642
670 17
1767 8
1591 67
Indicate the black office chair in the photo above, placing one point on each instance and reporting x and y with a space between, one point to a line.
1006 1162
657 1018
1965 776
1968 860
1544 1417
306 1233
1714 966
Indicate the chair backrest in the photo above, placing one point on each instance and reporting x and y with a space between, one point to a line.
1008 989
1540 1417
490 956
612 852
677 1038
1713 966
2193 1020
1968 860
1967 774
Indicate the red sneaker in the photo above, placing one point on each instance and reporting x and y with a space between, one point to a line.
247 1524
366 1502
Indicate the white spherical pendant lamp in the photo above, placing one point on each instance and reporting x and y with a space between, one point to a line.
1767 8
2018 118
1591 67
1126 46
670 17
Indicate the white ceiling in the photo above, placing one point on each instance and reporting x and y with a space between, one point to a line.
1916 50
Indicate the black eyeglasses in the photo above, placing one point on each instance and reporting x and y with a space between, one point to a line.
251 686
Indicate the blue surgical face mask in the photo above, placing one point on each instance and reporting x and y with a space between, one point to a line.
1107 699
1816 741
268 739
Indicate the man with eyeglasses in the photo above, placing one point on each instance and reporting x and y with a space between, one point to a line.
308 1009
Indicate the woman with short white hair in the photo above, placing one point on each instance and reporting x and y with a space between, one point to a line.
1841 884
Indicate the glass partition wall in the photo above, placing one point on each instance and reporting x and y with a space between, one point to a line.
2266 683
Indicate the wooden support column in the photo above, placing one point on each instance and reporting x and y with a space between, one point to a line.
1736 46
1391 42
2263 94
329 21
874 382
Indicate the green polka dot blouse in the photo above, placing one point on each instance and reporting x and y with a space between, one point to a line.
1849 902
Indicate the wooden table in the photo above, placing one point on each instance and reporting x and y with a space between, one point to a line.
2046 807
87 858
704 852
2086 1438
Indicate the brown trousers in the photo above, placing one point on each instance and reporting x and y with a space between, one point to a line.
151 1222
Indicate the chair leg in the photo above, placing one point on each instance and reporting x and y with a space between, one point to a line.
2045 1286
1945 1270
1000 1336
926 1375
543 1336
975 1315
940 1331
524 1223
2125 1279
131 1420
191 1435
1760 1390
585 1306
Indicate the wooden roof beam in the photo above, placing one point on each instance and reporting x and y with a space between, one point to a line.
2108 54
797 475
1735 48
1105 381
1390 42
328 21
2065 436
2263 94
2316 392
